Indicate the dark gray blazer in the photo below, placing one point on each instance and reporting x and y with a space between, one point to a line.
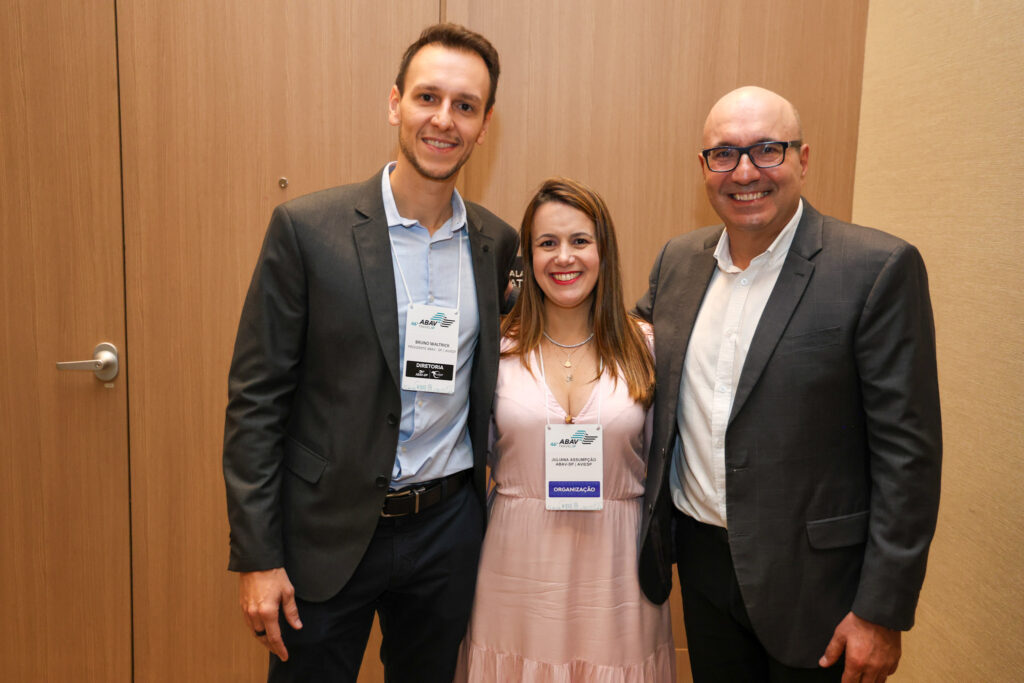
833 448
314 405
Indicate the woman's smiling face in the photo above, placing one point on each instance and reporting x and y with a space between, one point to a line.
565 255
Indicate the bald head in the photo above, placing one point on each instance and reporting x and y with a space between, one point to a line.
755 202
747 104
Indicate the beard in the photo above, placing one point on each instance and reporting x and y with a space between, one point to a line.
410 156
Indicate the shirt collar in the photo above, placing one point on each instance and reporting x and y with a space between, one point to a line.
394 219
776 251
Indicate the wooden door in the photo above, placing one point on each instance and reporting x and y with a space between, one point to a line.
64 517
220 101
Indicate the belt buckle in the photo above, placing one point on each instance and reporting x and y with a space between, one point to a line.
411 491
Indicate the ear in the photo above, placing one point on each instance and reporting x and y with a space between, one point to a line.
483 131
805 155
394 100
700 162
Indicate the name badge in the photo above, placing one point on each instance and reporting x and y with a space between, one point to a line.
573 467
431 349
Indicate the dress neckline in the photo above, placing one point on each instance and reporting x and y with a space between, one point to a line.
552 401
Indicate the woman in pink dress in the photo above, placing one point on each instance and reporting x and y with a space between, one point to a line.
557 596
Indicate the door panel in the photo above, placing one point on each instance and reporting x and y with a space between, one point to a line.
221 100
64 517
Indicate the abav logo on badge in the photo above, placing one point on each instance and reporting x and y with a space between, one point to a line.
580 436
435 320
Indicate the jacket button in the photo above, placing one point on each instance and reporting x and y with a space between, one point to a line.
392 420
381 482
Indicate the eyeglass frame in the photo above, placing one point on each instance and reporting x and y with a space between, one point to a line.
786 144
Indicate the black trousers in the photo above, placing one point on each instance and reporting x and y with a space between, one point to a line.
418 575
722 644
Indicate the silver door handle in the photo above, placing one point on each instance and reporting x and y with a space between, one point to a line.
103 364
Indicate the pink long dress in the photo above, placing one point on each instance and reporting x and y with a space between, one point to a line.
557 596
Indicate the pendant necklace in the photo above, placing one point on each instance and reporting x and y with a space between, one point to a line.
569 350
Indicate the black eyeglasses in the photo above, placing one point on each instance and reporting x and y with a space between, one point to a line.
762 155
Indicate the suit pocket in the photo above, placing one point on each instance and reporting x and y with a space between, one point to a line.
838 532
808 341
302 462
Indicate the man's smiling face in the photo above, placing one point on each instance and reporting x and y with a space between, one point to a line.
441 113
749 198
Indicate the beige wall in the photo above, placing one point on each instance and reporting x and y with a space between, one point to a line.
941 162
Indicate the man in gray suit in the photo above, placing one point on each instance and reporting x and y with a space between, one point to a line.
797 443
360 393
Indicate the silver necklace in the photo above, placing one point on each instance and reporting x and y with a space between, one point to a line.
568 346
569 350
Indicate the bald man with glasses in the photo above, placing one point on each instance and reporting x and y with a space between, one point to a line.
795 463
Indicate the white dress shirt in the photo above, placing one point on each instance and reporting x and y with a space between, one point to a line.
728 317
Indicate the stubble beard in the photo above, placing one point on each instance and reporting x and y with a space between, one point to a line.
414 162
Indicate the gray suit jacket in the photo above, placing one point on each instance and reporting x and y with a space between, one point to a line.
833 447
314 404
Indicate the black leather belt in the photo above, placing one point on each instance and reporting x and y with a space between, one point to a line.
419 497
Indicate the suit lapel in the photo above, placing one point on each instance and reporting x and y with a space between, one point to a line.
373 248
484 275
674 322
789 289
680 292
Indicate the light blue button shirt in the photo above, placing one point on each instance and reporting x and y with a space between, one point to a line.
433 440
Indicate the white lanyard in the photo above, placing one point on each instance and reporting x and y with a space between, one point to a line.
573 457
547 390
431 338
401 273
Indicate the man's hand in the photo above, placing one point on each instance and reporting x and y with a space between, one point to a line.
261 594
872 651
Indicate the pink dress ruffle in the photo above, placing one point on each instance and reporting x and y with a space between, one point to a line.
557 597
487 665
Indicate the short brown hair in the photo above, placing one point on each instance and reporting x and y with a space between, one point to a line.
620 342
454 37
